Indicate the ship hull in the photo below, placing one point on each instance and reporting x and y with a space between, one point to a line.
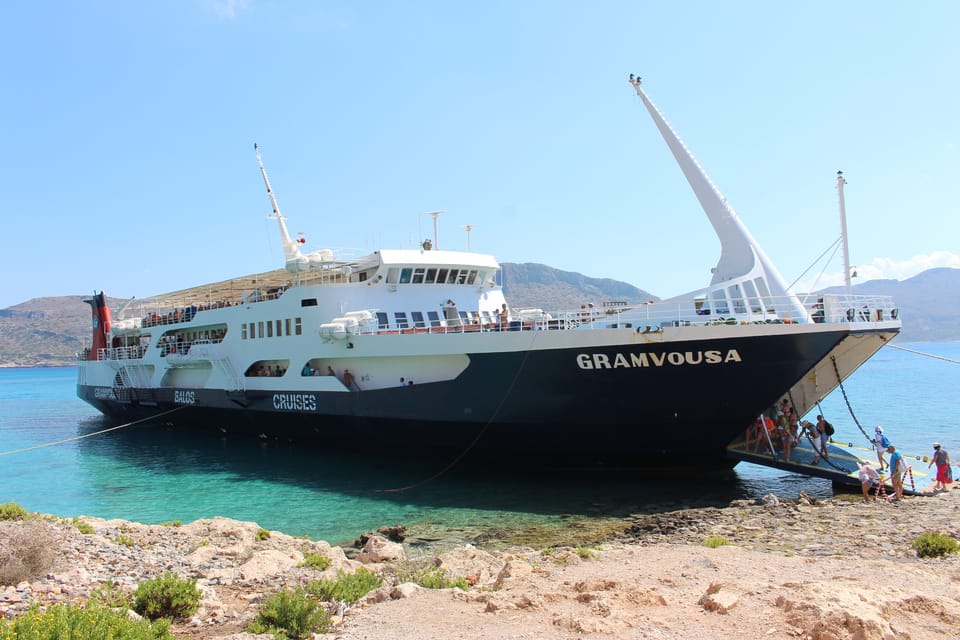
647 406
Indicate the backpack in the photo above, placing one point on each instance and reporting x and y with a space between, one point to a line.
828 428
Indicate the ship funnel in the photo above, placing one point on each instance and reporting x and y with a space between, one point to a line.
101 324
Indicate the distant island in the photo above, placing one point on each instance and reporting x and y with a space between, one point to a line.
48 332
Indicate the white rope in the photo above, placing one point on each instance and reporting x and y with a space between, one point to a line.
88 435
921 353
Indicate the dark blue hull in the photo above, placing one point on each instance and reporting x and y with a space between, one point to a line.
655 405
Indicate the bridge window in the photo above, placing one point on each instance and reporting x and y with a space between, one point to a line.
401 318
243 331
417 317
383 322
765 294
298 326
405 275
720 302
434 318
308 302
431 276
737 298
418 276
441 276
752 296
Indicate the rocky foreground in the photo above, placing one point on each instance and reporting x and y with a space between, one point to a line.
837 569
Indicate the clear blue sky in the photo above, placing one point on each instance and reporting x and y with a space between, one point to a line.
128 160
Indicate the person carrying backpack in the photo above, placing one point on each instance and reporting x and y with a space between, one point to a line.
881 443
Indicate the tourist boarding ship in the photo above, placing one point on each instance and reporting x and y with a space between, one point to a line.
408 351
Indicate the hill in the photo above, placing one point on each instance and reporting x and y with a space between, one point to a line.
928 302
49 331
536 285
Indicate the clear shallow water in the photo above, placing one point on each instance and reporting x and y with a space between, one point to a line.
149 475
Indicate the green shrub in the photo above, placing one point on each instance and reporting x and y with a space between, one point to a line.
82 526
433 578
110 596
348 587
263 534
12 511
715 541
171 523
931 544
315 560
290 614
64 621
125 541
585 552
168 596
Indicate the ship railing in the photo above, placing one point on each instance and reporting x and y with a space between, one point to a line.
182 347
135 352
654 316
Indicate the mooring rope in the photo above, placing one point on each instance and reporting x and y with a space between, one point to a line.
90 435
476 438
921 353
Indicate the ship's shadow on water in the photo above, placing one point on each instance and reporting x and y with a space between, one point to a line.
431 483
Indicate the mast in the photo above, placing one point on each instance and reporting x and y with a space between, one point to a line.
291 250
435 215
843 233
739 252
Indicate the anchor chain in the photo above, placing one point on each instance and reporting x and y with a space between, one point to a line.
836 369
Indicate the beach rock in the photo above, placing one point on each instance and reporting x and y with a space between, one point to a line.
379 549
719 599
405 590
514 567
476 566
395 533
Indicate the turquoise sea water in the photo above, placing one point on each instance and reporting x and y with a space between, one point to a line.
152 476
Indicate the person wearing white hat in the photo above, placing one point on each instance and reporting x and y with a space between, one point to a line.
942 460
880 443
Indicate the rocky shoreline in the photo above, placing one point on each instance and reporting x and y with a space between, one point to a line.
834 569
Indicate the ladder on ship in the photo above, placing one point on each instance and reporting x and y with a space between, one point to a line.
840 466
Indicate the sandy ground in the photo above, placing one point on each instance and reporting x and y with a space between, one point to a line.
839 569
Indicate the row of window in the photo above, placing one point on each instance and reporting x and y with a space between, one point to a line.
755 296
419 320
271 328
433 275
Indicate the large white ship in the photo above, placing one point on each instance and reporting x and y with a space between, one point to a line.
408 351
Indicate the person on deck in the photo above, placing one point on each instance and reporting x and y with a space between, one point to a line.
881 443
822 437
942 459
898 466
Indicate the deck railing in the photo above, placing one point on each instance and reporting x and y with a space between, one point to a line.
647 317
